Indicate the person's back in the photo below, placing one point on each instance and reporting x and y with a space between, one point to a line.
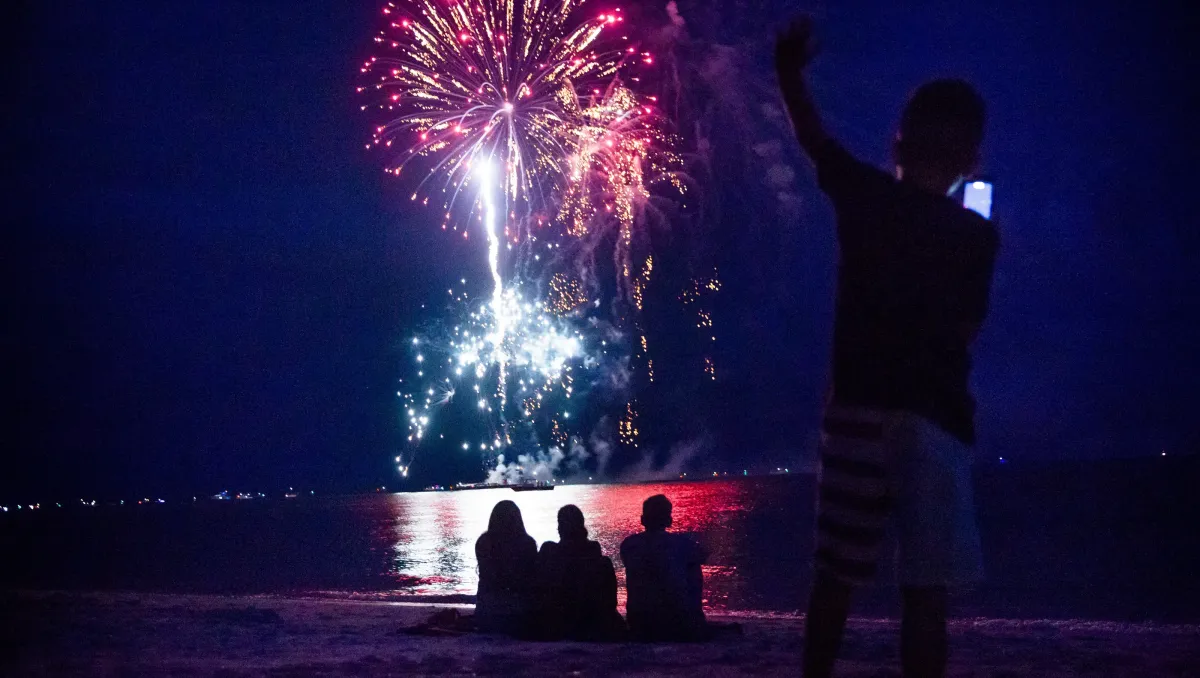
579 584
914 275
913 279
507 559
663 579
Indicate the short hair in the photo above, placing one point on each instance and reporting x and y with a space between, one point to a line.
942 118
570 523
656 512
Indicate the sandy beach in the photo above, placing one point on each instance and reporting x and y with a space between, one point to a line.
115 634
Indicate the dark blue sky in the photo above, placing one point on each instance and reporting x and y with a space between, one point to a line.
210 278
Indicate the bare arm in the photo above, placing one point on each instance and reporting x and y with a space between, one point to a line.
795 48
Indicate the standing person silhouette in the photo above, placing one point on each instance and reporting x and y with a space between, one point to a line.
507 569
914 276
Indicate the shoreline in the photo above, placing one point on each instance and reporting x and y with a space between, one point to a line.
120 633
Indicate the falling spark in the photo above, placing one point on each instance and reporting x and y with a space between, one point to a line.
513 113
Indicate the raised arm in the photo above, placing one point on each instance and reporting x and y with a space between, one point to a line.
795 48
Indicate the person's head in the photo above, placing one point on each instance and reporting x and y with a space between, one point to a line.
656 513
506 520
941 129
570 523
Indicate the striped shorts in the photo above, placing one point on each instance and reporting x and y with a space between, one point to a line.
897 469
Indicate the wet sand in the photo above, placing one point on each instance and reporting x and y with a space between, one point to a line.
116 634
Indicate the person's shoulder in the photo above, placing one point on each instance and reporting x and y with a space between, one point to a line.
687 544
680 541
549 548
956 225
834 162
633 541
981 230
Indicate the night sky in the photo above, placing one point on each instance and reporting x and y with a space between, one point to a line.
211 281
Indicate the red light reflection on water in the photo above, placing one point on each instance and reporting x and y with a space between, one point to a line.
433 533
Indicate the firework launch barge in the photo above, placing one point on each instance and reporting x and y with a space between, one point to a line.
516 487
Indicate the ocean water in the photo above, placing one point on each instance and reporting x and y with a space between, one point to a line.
1043 561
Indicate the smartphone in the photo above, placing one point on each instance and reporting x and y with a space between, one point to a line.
977 196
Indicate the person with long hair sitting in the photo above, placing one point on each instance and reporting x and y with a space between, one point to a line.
507 570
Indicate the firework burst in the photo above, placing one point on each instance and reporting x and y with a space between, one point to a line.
516 112
496 79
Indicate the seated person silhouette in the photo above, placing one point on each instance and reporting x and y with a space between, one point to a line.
579 585
663 579
507 567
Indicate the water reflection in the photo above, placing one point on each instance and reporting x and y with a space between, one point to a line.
433 537
758 531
